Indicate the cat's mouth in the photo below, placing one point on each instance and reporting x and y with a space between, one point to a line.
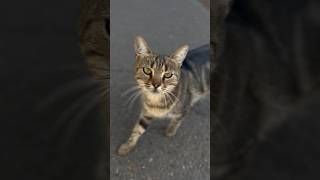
155 91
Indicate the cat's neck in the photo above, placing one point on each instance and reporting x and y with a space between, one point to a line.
160 99
151 97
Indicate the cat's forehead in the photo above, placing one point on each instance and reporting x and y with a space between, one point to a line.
158 61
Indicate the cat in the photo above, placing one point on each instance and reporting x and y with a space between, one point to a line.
170 85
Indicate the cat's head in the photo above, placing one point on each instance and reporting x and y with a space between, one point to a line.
157 74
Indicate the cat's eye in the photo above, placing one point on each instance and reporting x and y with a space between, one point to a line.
147 71
167 75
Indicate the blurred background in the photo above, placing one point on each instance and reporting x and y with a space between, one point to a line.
51 124
266 122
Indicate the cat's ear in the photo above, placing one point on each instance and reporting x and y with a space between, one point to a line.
180 54
141 47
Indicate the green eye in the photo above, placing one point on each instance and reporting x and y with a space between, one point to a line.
167 75
147 71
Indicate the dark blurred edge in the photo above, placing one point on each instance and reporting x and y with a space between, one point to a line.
94 11
40 54
291 150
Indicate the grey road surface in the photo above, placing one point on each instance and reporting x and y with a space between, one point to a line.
166 25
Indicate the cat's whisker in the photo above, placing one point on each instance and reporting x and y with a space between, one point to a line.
103 69
128 101
165 95
103 75
127 83
134 99
164 98
129 90
104 92
115 85
65 90
173 95
63 118
102 79
76 121
131 96
171 99
98 72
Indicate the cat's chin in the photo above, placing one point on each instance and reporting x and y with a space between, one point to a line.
151 91
154 92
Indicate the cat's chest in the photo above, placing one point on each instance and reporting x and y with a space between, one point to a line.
157 111
158 108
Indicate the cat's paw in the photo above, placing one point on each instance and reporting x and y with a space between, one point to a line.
171 131
124 149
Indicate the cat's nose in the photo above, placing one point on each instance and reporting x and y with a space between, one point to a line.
156 85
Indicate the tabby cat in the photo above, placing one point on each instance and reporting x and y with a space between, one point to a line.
169 85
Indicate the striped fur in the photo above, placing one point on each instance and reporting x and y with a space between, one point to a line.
168 95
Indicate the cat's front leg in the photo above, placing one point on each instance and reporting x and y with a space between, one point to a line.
175 122
138 130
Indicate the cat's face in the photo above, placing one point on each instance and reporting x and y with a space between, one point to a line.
157 74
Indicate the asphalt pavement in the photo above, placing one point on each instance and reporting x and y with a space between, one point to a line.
165 25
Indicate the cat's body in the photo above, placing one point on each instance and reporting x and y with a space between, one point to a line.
193 84
189 82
